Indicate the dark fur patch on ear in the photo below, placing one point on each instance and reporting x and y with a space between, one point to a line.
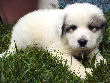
63 27
63 30
98 22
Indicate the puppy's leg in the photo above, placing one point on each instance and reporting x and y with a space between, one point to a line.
74 64
98 55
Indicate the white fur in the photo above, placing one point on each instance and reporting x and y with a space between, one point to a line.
44 28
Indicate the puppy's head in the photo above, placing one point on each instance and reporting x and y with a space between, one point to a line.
83 26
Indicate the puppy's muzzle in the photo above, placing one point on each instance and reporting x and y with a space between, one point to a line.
82 42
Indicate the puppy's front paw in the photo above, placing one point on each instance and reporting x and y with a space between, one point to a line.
82 72
97 62
89 70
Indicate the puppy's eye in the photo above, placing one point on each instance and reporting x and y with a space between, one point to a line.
92 28
71 28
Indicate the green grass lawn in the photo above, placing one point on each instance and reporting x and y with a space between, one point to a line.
35 65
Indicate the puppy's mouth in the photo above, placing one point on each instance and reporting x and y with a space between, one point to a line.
80 48
83 48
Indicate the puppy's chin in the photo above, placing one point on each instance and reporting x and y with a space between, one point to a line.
79 48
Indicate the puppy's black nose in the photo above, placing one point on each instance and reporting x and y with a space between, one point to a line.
82 42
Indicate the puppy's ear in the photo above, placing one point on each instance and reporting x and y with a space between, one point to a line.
63 29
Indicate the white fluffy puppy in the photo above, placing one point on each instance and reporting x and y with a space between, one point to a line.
73 31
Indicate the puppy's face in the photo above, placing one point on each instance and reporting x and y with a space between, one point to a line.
83 26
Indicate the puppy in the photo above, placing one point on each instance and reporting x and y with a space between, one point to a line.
73 31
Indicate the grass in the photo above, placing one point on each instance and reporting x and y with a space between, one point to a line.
35 65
